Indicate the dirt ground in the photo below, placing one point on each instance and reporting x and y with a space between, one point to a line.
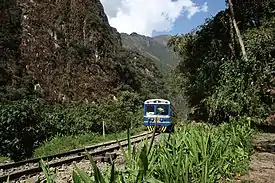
262 165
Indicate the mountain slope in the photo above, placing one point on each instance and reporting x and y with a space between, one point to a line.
162 39
68 49
154 48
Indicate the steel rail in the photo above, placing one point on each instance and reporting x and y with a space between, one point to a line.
59 155
34 170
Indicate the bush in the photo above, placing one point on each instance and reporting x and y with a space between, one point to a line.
78 119
19 128
25 124
70 120
123 113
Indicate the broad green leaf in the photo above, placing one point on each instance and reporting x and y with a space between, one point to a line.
76 178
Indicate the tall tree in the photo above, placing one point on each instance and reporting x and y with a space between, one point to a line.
237 29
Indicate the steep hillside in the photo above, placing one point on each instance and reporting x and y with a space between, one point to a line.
139 73
154 48
162 39
67 48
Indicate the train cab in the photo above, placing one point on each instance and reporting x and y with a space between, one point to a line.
157 113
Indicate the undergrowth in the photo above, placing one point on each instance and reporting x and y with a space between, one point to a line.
3 159
26 124
61 144
192 153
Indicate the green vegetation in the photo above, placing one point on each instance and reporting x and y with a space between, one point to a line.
139 74
154 48
219 82
65 82
25 124
65 143
3 159
192 154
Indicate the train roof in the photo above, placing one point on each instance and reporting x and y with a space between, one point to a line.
157 101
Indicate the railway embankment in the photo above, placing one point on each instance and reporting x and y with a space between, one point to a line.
192 153
224 153
62 163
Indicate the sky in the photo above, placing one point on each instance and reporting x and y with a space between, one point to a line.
157 17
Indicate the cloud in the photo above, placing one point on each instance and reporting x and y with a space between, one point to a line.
146 16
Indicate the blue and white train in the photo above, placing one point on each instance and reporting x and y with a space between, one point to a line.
158 113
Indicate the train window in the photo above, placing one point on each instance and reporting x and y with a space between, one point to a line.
162 109
149 109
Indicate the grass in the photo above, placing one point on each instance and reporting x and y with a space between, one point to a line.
3 159
202 154
66 143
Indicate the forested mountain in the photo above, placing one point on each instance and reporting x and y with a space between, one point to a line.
154 48
163 39
63 71
69 50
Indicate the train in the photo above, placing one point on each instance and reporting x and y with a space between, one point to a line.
159 114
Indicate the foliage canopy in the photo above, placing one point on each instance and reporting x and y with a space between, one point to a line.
218 81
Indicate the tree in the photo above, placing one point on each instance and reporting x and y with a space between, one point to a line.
218 84
237 29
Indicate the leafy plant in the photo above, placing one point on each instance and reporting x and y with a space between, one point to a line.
26 124
50 176
191 154
19 128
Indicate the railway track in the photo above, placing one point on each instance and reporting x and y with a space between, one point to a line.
31 167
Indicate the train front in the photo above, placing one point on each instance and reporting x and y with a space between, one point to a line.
157 113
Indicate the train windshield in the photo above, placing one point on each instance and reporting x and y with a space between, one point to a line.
162 109
150 109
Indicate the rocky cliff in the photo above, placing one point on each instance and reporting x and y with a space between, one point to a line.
68 50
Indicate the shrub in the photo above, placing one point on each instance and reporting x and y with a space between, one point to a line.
123 113
27 123
78 119
19 128
70 120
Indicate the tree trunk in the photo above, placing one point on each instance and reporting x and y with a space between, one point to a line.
237 30
232 43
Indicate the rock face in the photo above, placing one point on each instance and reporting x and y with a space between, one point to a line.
10 32
65 46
